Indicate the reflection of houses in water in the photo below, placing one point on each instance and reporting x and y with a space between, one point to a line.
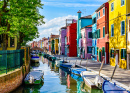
63 77
51 66
56 70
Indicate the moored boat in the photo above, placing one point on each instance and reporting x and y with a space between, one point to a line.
34 77
35 59
67 65
77 71
109 87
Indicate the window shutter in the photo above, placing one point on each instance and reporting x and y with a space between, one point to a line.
123 27
99 33
110 53
125 53
121 53
103 31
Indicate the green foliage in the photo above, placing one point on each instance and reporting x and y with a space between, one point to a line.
20 18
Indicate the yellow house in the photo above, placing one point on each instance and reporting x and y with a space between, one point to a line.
11 45
118 9
56 42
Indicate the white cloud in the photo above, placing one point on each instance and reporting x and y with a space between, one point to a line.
61 4
53 26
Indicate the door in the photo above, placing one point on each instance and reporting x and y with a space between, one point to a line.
100 55
117 57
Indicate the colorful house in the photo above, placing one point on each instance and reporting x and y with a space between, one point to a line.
11 45
81 22
118 9
56 43
102 33
62 36
94 36
52 43
86 45
71 40
45 44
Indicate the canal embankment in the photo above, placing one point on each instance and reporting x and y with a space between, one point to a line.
121 76
12 73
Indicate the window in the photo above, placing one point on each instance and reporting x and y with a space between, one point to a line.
99 14
97 50
122 2
103 31
123 53
103 51
122 27
11 42
112 6
89 34
89 49
1 40
94 20
93 53
98 33
103 11
112 53
112 30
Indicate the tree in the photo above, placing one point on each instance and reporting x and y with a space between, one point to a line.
20 18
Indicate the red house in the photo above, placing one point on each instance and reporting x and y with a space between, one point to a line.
71 40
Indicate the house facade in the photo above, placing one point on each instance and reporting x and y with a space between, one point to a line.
62 40
86 42
102 33
118 9
81 22
71 40
94 36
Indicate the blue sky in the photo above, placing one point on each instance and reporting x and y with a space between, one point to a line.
56 11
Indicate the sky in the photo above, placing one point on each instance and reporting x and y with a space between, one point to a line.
57 11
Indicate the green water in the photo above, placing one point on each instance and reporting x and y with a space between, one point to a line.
56 80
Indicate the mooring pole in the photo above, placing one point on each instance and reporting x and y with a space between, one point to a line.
81 61
113 72
75 62
86 62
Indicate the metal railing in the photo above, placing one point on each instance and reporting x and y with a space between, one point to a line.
11 60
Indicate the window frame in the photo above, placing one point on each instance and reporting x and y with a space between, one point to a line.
121 28
111 30
111 6
88 35
91 49
121 2
112 51
103 11
123 57
104 32
13 40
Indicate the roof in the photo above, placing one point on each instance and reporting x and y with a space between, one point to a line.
89 26
103 5
79 11
63 27
54 36
86 17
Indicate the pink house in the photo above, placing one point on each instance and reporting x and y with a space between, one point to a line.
45 44
86 42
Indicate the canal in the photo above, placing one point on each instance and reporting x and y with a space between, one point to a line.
56 80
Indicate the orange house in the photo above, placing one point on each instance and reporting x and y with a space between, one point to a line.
102 33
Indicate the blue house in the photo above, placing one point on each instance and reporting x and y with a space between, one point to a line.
81 22
94 37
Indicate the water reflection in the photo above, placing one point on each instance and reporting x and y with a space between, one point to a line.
56 80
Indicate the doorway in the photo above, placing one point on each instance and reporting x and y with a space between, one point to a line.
117 57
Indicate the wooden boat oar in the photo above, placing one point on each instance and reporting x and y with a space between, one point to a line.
113 72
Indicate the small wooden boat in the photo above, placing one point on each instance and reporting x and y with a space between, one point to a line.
89 78
109 87
67 65
52 58
34 77
35 59
77 71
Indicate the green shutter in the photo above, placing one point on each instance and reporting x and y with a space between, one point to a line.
99 33
125 53
121 53
103 31
123 27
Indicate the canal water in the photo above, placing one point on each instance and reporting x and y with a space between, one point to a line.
56 80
